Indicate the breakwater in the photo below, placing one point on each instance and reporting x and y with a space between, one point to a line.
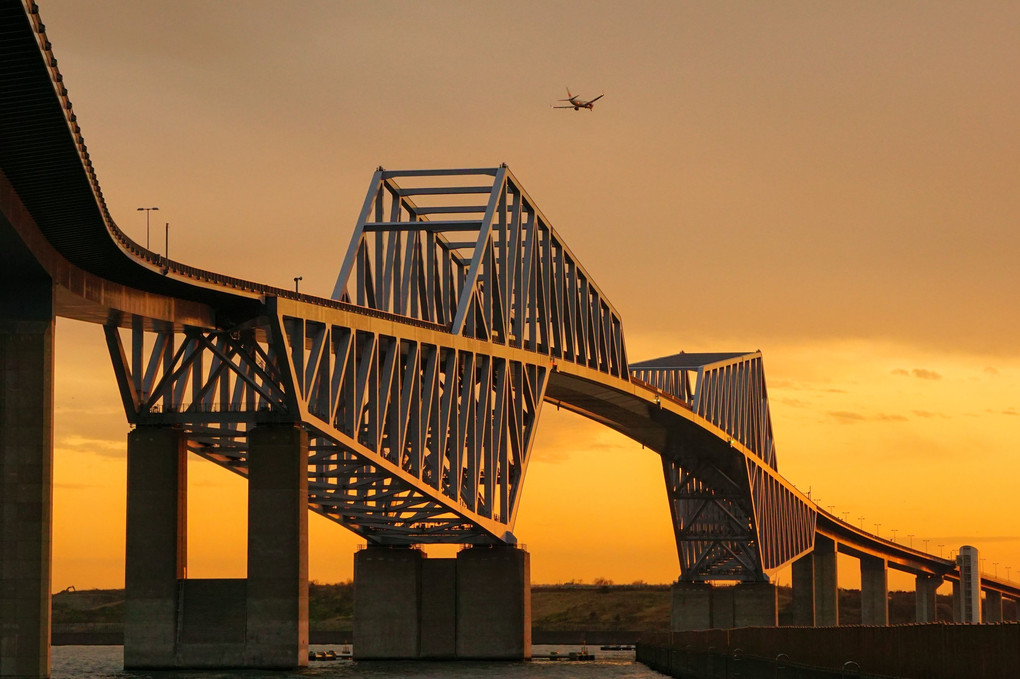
932 651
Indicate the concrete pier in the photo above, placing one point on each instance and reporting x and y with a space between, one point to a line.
26 476
494 603
874 591
957 601
277 592
993 606
690 606
259 622
826 583
387 603
700 606
438 633
803 604
156 545
475 606
924 592
755 604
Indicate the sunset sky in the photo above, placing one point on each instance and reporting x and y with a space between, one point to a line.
835 184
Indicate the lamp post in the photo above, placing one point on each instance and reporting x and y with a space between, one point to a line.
147 211
297 280
894 532
911 536
877 534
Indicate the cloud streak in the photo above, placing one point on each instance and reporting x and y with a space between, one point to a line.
919 373
849 417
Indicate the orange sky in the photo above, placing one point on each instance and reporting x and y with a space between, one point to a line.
834 184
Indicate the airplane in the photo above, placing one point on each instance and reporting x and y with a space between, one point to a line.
577 103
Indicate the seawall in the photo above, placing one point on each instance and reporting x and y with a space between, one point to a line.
933 651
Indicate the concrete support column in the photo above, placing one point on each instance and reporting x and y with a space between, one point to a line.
993 606
156 545
26 476
690 606
826 583
957 601
874 591
755 604
277 588
494 603
924 592
802 608
387 601
438 619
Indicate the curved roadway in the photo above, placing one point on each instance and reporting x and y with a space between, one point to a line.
55 223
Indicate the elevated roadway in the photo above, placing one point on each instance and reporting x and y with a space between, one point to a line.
414 392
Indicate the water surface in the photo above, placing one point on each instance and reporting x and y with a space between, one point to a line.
95 662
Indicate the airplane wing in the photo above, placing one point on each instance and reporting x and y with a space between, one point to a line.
597 98
564 107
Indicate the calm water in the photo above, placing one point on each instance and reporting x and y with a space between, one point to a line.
92 662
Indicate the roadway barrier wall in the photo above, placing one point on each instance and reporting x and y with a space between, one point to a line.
933 651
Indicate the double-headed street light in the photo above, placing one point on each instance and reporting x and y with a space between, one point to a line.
147 211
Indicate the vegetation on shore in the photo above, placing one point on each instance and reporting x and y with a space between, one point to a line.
574 606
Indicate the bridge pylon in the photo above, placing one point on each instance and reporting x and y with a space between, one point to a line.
27 326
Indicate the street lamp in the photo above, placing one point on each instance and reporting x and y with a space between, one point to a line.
940 550
147 211
911 536
894 532
877 534
925 546
1008 569
297 280
861 519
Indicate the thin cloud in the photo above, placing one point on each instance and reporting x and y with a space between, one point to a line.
848 417
927 414
102 447
919 373
70 485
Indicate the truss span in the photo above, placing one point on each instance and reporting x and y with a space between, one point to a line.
458 310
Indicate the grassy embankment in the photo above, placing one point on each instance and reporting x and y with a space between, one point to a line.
569 607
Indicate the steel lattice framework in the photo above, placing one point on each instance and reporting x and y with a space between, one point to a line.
456 312
411 440
729 526
421 384
470 251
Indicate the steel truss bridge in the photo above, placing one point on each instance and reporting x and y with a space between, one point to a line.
457 312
